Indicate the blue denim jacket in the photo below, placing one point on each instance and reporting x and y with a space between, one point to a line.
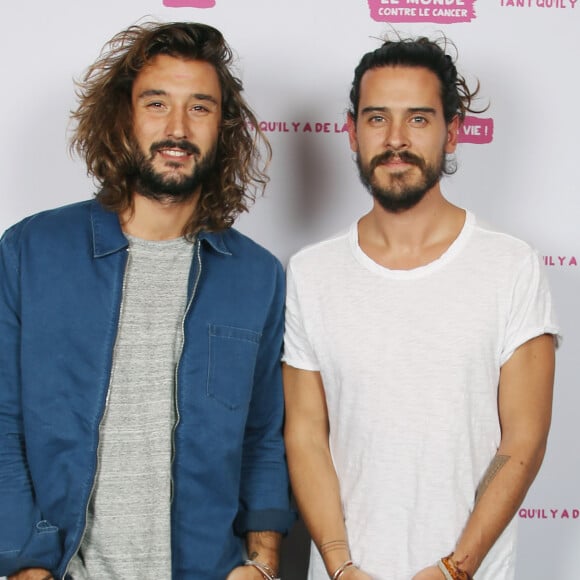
61 278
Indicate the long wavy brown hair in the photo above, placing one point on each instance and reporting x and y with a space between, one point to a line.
103 134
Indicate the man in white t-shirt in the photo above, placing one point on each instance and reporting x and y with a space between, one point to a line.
419 352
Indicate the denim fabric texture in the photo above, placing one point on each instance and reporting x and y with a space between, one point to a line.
61 282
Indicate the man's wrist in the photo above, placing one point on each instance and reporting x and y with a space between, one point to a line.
335 553
263 549
267 572
342 569
32 574
452 570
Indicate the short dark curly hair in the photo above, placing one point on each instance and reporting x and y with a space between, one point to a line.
456 97
103 131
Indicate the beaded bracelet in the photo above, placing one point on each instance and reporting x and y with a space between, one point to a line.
340 570
264 569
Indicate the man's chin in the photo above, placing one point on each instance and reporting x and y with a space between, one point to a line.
395 187
174 178
174 174
175 190
172 182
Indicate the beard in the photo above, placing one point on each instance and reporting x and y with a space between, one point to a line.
404 192
178 187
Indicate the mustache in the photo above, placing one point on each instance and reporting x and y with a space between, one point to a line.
184 145
405 156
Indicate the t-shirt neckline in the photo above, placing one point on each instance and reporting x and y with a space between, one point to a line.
421 271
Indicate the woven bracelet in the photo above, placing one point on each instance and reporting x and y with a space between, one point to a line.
452 570
443 569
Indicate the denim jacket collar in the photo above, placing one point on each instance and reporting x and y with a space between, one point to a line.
216 240
108 238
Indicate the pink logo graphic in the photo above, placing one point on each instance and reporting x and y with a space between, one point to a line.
476 130
562 261
302 127
539 3
189 3
439 11
549 513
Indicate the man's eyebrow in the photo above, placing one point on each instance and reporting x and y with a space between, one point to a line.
160 93
151 93
205 97
372 109
429 110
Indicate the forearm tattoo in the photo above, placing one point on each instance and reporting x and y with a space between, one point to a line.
494 468
332 546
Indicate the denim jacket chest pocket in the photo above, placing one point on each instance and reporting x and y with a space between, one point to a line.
232 361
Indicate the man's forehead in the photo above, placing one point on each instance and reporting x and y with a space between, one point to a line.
164 73
401 83
178 67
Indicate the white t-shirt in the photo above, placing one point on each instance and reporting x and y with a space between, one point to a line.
410 362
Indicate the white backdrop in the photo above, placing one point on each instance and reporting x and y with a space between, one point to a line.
516 166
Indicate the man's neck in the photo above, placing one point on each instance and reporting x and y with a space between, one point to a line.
411 238
154 220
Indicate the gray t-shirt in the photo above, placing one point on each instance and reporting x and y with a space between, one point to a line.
128 533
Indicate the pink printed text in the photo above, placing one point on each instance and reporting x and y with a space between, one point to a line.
189 3
439 11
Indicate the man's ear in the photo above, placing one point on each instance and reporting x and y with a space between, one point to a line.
452 134
351 125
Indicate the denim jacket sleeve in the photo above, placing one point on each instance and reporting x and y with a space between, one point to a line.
26 540
264 493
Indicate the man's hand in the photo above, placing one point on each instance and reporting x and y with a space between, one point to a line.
245 573
430 573
31 574
353 573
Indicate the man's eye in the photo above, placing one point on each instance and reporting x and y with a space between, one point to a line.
199 109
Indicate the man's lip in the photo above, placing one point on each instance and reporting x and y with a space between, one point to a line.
174 152
395 163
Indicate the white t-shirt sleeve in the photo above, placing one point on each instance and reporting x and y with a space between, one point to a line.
531 312
298 351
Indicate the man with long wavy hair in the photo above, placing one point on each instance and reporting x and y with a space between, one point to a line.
140 336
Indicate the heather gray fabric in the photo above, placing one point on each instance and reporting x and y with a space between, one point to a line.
128 526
